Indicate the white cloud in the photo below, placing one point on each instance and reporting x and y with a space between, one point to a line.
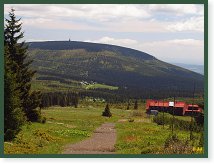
33 22
176 42
38 40
137 26
114 41
178 9
110 17
191 24
187 42
99 12
44 23
176 50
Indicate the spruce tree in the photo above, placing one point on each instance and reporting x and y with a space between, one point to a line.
127 107
18 54
76 100
107 112
14 116
135 105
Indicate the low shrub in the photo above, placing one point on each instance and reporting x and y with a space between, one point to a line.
10 135
20 148
73 132
146 151
131 120
160 120
178 124
138 113
201 141
170 139
199 119
45 136
173 145
34 115
43 120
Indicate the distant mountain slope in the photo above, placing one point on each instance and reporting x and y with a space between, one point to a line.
90 47
194 68
109 64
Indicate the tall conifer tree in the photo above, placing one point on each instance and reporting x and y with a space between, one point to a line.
135 105
14 116
17 51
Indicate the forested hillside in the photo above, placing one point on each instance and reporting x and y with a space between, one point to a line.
135 73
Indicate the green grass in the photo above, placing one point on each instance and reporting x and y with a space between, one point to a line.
185 118
102 86
53 86
142 136
137 138
136 133
56 86
64 126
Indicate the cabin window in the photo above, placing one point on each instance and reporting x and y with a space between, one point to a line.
192 108
179 108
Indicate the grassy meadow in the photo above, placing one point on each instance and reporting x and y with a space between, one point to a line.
136 132
56 86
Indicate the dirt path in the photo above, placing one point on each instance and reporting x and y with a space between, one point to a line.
101 142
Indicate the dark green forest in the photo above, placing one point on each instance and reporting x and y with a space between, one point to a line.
108 65
137 74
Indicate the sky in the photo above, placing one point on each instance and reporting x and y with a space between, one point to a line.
173 33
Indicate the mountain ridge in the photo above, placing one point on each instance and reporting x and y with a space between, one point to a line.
111 65
69 45
193 67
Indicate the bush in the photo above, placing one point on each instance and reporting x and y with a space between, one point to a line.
199 119
43 120
201 141
128 106
131 120
170 139
10 134
187 125
137 113
147 151
178 124
173 145
160 120
44 135
34 115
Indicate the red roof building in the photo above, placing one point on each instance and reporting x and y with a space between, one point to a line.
177 107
